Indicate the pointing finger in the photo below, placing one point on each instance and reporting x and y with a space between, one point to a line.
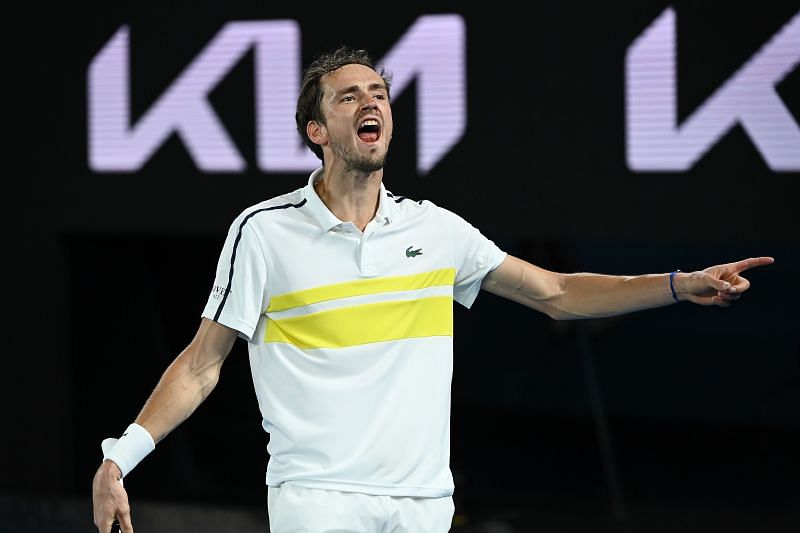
744 264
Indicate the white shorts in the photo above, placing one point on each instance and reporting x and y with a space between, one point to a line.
294 509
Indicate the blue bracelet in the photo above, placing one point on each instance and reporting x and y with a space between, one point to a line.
672 284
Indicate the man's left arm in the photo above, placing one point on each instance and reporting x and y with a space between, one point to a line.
587 295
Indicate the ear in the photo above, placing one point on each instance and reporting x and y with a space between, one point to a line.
317 132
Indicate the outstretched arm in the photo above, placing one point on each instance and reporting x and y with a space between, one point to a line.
586 295
187 381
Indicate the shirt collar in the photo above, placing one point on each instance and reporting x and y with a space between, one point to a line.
328 220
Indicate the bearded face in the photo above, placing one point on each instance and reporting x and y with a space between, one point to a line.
358 117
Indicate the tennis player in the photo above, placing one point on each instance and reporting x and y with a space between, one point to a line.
344 294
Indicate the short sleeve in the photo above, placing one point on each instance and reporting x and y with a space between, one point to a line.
475 257
239 294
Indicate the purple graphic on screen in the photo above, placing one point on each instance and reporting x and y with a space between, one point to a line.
656 142
432 51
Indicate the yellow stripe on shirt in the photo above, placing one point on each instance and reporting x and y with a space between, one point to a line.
367 323
290 300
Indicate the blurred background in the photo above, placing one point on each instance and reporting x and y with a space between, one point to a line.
620 137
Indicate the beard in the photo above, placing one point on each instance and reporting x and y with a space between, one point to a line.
358 162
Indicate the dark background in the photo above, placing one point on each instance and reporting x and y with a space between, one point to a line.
684 417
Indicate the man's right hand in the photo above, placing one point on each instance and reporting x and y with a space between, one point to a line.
109 499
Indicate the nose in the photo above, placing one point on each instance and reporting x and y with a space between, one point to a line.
367 102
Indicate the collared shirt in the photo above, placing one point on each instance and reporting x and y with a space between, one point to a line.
351 336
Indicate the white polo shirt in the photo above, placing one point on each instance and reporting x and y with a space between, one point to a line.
351 336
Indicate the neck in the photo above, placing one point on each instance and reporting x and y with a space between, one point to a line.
350 196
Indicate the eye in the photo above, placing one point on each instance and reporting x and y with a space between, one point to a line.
380 96
348 98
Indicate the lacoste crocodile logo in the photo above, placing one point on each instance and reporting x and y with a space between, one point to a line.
413 253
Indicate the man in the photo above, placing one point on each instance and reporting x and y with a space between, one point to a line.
344 293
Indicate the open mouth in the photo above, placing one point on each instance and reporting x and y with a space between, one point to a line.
369 131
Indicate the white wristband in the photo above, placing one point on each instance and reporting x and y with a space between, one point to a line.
130 449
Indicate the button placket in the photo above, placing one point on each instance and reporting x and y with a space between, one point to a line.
365 263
